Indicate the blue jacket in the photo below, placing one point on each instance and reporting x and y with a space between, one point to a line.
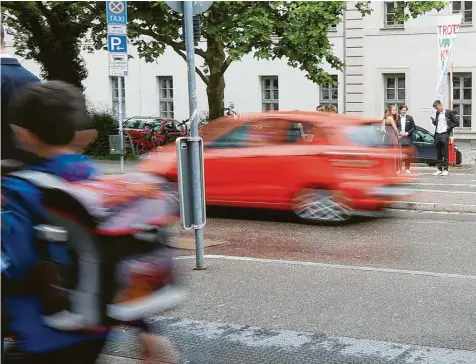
14 77
21 206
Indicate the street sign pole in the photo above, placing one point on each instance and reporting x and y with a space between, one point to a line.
121 130
194 137
116 19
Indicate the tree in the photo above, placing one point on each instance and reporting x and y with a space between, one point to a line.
51 33
295 31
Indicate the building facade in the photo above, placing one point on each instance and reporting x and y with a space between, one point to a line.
387 63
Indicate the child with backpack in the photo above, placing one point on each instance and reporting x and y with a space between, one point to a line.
51 121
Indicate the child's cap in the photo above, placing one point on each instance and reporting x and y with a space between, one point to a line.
54 111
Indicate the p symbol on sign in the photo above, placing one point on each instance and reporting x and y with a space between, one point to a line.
117 43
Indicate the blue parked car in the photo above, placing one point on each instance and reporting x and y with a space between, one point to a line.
424 143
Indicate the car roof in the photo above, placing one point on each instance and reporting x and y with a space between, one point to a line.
226 123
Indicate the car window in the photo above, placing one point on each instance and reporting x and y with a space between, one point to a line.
368 135
258 133
301 132
235 139
424 137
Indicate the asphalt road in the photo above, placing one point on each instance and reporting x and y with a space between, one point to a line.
395 290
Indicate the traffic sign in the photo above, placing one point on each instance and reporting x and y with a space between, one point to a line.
118 65
117 29
117 43
198 6
116 12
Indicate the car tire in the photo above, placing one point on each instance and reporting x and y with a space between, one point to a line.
324 206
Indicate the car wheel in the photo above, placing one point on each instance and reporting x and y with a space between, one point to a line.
321 205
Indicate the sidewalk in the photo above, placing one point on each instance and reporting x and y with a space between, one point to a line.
244 311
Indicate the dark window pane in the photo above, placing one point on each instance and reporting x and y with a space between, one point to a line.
163 94
171 106
390 94
401 94
467 94
335 94
401 82
325 94
390 82
456 6
466 121
276 106
466 110
456 93
267 95
467 82
267 83
456 81
468 5
390 18
468 17
456 108
276 83
276 94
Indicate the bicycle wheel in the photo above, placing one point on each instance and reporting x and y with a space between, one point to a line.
143 145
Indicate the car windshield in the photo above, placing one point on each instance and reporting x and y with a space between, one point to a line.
141 123
368 135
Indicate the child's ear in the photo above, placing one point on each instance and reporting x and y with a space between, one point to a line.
83 138
25 137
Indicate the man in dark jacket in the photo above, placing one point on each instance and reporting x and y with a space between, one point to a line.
406 127
445 122
13 77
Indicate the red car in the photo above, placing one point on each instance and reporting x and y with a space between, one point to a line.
323 167
165 129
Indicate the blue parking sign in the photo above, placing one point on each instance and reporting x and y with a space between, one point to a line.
117 43
116 12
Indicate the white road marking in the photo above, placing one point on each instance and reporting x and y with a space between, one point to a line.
442 184
437 191
310 345
335 266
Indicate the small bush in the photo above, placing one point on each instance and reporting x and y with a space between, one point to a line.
106 124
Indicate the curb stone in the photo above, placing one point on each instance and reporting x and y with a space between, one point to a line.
435 207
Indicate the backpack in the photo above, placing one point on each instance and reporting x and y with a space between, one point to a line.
102 257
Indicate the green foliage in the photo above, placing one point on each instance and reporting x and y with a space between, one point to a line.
51 33
105 124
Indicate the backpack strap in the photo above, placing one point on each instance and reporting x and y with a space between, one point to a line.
40 179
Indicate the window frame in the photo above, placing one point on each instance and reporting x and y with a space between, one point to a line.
166 104
330 88
115 96
463 11
461 101
393 23
395 101
271 101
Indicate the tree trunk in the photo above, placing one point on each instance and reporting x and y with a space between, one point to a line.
216 81
216 93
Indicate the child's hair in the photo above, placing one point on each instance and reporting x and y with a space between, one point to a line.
52 110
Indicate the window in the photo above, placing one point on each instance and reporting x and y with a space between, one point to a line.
462 95
270 93
389 9
394 90
329 94
166 96
422 136
333 28
464 8
115 96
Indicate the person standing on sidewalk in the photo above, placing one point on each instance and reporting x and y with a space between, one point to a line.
444 121
407 128
13 77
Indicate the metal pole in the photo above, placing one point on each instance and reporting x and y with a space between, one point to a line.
344 44
119 116
196 175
